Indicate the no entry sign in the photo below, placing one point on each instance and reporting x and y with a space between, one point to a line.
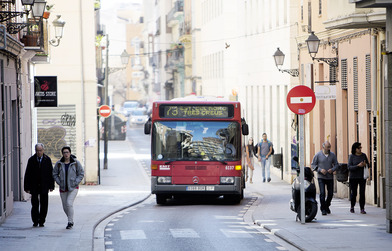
105 111
301 99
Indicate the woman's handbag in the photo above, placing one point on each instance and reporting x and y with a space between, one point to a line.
366 172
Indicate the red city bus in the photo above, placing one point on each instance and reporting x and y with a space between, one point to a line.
196 149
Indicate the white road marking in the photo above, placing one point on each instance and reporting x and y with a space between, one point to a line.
230 233
133 235
184 233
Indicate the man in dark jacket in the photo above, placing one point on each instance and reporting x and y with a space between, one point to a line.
38 181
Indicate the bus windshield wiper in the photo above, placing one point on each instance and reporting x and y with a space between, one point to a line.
221 161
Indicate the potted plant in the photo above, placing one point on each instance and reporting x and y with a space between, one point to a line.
47 11
31 37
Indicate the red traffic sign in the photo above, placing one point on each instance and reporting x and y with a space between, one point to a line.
98 100
301 99
105 111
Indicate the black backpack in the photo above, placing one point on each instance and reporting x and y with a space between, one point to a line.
255 148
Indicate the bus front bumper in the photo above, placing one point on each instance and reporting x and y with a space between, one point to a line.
235 188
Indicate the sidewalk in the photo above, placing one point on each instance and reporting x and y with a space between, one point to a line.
338 230
118 189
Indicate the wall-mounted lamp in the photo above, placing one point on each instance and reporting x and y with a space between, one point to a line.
124 57
313 43
36 6
7 15
58 24
279 59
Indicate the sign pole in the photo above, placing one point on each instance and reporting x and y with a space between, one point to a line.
105 133
301 100
301 166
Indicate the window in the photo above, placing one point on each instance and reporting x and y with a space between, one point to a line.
320 7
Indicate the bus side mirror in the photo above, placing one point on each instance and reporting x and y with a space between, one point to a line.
147 127
245 129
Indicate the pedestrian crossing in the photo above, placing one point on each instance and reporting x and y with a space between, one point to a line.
139 234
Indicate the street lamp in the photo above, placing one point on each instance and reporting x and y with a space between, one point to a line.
27 2
124 58
58 24
313 43
38 8
279 59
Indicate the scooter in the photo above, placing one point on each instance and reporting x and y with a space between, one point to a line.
310 195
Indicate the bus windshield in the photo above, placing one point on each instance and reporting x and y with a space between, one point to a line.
196 140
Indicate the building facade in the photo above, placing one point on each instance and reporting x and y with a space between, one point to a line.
74 121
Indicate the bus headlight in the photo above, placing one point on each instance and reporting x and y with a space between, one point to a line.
164 180
227 180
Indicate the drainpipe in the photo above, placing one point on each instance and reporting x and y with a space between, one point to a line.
374 112
83 87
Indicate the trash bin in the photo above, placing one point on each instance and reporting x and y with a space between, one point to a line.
342 173
277 160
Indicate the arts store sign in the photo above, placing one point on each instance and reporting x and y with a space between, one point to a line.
45 91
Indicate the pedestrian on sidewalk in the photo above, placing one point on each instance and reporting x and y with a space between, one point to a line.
264 152
68 173
38 181
249 161
325 163
357 161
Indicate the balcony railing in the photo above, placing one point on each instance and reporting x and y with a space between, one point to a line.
177 10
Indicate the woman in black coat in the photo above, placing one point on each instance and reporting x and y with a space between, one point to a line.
356 164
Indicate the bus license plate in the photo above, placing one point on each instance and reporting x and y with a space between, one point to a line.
200 188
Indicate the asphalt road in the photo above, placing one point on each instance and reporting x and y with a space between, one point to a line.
188 224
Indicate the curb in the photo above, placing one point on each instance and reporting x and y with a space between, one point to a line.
280 233
98 233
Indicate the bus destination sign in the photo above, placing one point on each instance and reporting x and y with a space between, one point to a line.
196 111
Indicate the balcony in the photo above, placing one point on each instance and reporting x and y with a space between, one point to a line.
175 58
37 40
174 13
345 15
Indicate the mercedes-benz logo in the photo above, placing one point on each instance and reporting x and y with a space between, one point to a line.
195 180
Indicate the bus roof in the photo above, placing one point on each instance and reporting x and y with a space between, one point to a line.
200 98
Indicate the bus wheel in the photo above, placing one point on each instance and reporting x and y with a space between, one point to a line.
161 199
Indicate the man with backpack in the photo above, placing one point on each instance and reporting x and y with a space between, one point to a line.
264 152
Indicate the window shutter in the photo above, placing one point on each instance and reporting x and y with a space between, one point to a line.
368 84
344 73
332 74
355 79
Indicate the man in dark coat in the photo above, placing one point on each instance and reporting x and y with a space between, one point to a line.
38 181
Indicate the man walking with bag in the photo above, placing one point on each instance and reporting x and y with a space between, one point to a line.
264 152
38 181
325 163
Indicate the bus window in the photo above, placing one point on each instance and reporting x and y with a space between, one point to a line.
196 140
